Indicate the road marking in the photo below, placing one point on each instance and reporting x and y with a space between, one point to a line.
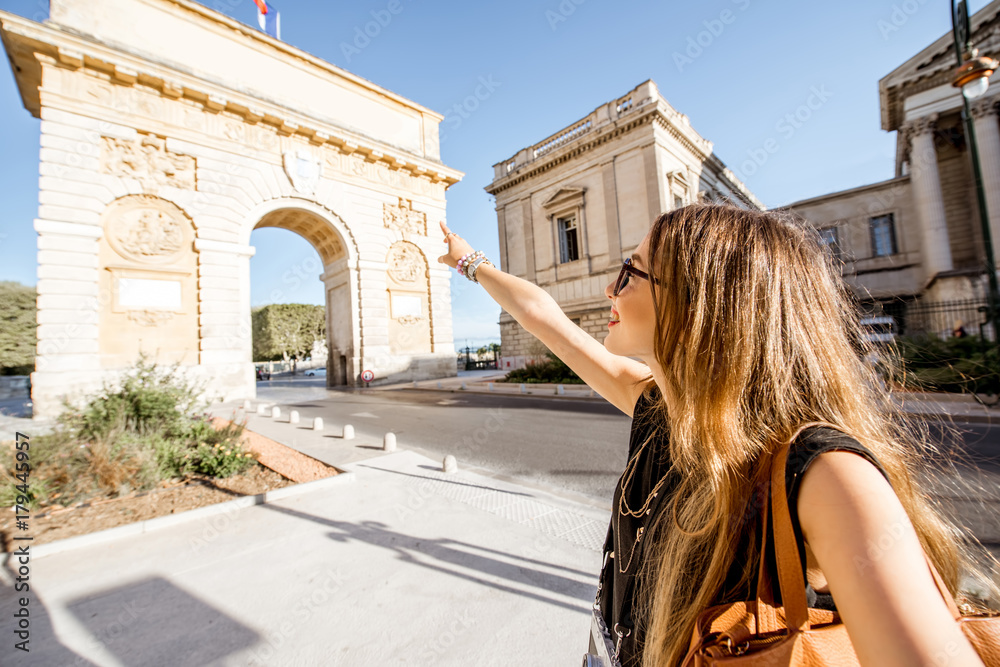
364 414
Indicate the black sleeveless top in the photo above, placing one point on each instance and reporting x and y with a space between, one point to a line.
623 552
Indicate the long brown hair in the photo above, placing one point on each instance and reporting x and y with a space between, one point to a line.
756 334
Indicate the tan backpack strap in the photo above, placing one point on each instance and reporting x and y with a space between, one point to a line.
791 582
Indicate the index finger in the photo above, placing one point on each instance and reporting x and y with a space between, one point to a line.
444 228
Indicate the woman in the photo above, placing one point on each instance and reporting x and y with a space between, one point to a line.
744 333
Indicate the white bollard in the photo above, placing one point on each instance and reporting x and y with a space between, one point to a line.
524 390
593 393
414 384
463 386
261 410
450 464
348 432
293 417
560 389
275 412
389 442
489 387
317 423
439 385
246 405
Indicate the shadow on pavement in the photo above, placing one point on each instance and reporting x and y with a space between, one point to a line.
449 481
422 552
153 622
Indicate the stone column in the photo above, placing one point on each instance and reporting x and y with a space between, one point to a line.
984 114
934 243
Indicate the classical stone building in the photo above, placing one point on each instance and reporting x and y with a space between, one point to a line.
169 133
571 207
915 240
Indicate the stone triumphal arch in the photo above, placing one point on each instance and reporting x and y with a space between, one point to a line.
169 133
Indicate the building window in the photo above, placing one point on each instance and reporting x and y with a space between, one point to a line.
678 201
829 239
883 235
569 240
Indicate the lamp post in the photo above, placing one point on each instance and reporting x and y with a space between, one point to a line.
973 78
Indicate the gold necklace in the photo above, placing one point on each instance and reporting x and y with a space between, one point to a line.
627 476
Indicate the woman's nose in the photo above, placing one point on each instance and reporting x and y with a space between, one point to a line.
609 291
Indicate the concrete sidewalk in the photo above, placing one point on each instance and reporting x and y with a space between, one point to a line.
400 564
396 563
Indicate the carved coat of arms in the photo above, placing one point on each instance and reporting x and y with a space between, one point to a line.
304 170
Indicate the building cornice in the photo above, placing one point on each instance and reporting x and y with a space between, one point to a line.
570 151
934 66
50 45
641 107
892 182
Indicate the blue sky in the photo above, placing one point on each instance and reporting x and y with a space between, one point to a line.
737 68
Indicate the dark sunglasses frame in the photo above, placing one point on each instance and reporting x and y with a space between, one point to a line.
623 276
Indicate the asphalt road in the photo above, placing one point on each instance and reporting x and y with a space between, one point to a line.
577 447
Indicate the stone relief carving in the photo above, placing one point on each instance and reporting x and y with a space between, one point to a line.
150 318
410 320
402 218
983 108
148 161
303 169
145 232
406 263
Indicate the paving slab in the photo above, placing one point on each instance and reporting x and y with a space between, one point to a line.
407 565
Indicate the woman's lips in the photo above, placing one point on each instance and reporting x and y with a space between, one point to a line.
615 318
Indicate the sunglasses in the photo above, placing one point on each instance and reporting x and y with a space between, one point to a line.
627 271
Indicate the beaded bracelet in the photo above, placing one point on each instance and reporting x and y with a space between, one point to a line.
463 264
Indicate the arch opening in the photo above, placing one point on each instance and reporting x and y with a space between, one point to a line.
315 250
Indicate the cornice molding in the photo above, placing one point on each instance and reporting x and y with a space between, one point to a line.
588 142
53 47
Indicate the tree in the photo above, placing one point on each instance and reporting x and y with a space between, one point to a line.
17 328
286 330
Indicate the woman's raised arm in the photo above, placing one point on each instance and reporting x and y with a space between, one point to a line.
616 378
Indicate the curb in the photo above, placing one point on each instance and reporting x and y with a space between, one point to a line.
962 419
160 522
533 394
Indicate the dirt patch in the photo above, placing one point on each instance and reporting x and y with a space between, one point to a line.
58 524
279 466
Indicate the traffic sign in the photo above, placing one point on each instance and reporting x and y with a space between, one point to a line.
368 376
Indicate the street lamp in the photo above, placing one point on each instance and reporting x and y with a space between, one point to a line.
973 78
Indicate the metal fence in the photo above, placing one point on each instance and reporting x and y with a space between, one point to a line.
942 319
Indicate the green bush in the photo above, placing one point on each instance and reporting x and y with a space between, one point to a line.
148 400
553 370
129 438
964 364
